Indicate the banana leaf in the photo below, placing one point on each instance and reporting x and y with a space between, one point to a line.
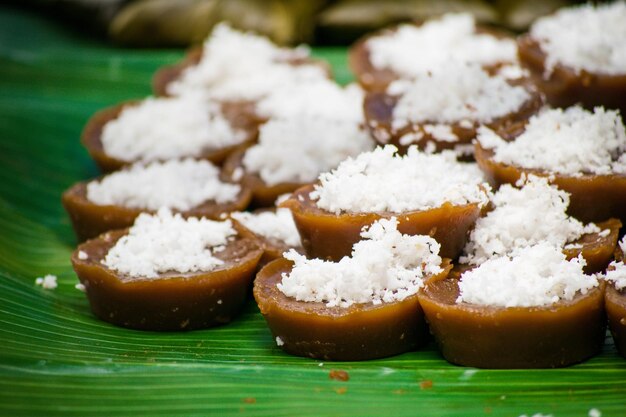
56 359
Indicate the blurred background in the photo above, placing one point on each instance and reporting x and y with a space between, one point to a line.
166 23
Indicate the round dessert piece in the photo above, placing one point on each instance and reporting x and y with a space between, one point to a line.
578 55
536 213
292 152
166 273
581 152
429 194
615 298
237 62
167 128
363 307
273 228
463 98
410 50
533 310
191 187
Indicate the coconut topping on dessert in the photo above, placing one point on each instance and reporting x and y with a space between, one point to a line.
571 142
616 272
317 98
584 38
381 180
167 242
386 266
300 148
230 56
176 184
538 275
455 93
168 128
524 217
449 41
276 225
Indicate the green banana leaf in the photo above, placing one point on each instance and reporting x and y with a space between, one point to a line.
57 359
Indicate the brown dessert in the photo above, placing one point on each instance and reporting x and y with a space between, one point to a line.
170 73
172 301
272 248
593 198
90 219
263 195
615 304
379 106
515 337
326 235
358 332
564 86
239 114
375 79
596 248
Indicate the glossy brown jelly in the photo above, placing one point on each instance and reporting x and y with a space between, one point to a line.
90 219
358 332
379 106
615 303
553 336
372 78
272 248
170 73
565 87
593 198
173 301
596 248
330 236
235 113
263 195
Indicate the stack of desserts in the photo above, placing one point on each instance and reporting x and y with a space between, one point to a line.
471 186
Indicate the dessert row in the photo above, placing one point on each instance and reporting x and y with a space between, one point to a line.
389 228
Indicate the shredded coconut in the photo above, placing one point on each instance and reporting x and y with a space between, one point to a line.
571 142
320 98
48 282
442 133
381 180
278 225
176 184
167 242
82 255
594 412
80 287
229 55
616 272
449 41
455 93
585 37
385 267
167 128
538 275
299 149
524 217
279 341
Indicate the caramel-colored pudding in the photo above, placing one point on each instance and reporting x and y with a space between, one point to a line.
90 219
173 301
263 195
237 113
358 332
170 73
330 236
564 86
593 198
596 248
615 303
516 337
379 106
